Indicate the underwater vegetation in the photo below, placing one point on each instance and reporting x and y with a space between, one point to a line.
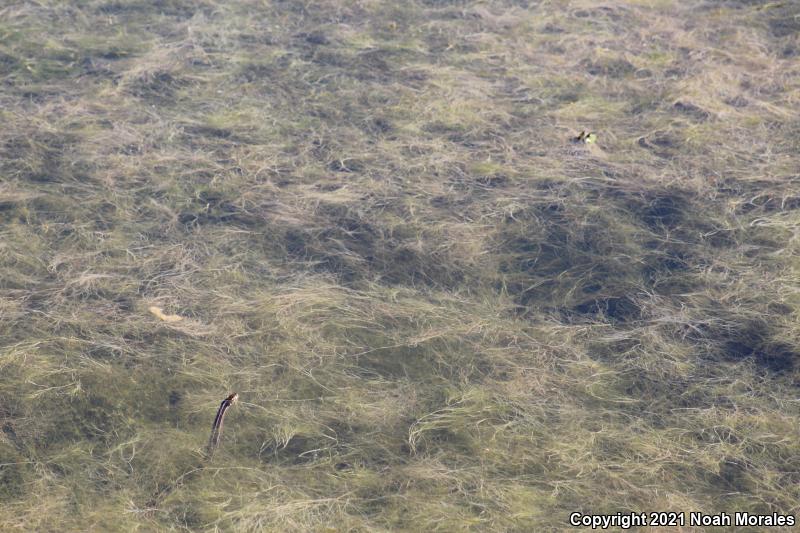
470 266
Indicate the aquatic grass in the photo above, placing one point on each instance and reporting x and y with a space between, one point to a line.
439 313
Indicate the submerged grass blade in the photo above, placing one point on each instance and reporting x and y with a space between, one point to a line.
449 310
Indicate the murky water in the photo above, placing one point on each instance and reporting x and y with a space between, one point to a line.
378 224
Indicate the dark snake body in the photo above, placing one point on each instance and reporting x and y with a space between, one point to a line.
216 428
213 442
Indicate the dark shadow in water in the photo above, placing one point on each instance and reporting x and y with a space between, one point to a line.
216 207
754 339
157 88
38 157
181 9
786 24
659 210
356 248
733 475
662 144
547 254
614 308
612 68
663 212
692 111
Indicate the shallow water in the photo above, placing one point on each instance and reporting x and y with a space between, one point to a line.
371 221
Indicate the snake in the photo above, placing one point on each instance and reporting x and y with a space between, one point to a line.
216 428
